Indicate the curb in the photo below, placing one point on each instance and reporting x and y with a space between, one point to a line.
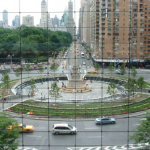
34 117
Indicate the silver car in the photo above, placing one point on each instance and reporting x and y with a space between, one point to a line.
64 128
105 120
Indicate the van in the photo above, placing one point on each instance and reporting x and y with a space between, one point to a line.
64 128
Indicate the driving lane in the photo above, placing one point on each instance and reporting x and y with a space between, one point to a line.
88 134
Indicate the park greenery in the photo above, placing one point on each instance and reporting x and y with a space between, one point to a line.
33 86
111 68
97 66
5 82
54 91
142 132
133 72
122 69
8 139
36 43
112 89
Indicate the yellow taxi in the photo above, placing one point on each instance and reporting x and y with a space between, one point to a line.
93 71
21 128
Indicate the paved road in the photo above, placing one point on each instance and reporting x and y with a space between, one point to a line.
89 136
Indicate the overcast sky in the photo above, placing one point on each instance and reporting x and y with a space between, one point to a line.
33 8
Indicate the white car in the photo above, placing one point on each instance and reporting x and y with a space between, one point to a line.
63 128
119 72
84 63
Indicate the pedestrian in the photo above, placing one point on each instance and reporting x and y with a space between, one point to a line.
62 84
29 94
57 79
41 96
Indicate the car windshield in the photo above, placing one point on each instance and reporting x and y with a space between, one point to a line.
71 127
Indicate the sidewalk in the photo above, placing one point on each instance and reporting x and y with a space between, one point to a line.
9 103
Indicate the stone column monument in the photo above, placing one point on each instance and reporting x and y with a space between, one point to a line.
75 81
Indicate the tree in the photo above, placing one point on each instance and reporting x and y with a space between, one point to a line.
8 138
54 91
131 86
27 69
111 68
5 81
40 69
122 69
97 66
18 72
53 67
33 85
133 72
141 83
142 132
111 89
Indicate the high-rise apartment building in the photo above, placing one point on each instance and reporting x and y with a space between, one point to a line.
16 21
121 30
94 27
5 18
44 14
28 20
56 21
83 2
70 20
64 18
86 22
118 29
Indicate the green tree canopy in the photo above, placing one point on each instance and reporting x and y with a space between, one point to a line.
122 69
33 85
141 83
54 91
111 89
7 138
142 132
111 67
5 81
97 66
133 72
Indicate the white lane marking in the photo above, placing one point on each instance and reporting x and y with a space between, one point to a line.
136 124
91 128
36 136
95 137
143 119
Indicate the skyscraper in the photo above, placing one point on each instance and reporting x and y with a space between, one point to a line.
56 21
16 21
44 14
70 20
28 20
5 18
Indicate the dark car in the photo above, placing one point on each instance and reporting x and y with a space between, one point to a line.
105 120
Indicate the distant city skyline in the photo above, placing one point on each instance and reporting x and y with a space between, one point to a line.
33 8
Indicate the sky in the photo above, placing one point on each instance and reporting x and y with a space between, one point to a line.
33 8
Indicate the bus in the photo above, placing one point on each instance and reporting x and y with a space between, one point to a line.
82 55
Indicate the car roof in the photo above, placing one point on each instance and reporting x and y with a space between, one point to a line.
61 124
